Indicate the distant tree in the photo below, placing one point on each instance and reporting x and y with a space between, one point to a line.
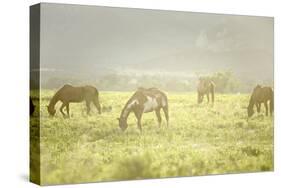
177 85
225 81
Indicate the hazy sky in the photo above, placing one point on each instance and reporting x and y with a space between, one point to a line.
90 38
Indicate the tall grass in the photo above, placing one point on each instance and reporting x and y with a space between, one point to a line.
200 140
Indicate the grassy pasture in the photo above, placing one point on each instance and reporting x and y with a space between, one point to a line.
201 139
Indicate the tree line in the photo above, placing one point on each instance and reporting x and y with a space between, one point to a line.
225 82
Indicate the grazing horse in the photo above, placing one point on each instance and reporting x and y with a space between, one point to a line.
69 94
31 107
261 95
205 87
143 101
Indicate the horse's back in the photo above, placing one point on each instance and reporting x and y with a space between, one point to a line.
151 91
91 90
268 92
76 94
145 94
87 88
268 89
262 94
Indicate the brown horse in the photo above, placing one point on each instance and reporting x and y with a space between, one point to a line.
261 95
205 87
69 94
143 101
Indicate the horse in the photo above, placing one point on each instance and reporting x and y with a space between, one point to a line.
70 94
144 101
31 107
261 95
205 87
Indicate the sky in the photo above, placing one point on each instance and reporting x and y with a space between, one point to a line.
92 39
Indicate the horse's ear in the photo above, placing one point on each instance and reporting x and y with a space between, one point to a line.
118 119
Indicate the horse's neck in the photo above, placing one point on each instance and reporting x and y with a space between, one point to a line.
54 101
125 112
127 109
252 102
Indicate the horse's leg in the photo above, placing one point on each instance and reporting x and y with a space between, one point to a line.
139 122
67 110
266 108
157 112
97 105
202 97
199 98
88 105
61 109
138 115
258 105
212 89
166 112
208 98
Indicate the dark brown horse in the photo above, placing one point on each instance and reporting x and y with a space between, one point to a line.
205 87
261 95
69 94
143 101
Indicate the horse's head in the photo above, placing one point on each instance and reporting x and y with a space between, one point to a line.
257 88
122 123
51 111
250 111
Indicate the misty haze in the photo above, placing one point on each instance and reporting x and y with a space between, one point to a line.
122 49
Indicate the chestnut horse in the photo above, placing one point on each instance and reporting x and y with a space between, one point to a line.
261 95
69 94
144 101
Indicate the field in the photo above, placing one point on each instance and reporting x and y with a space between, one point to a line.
200 140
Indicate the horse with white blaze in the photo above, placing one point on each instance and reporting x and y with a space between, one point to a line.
144 101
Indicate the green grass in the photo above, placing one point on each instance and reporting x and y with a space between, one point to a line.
201 139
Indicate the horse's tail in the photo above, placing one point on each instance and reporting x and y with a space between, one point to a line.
97 101
212 90
97 92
